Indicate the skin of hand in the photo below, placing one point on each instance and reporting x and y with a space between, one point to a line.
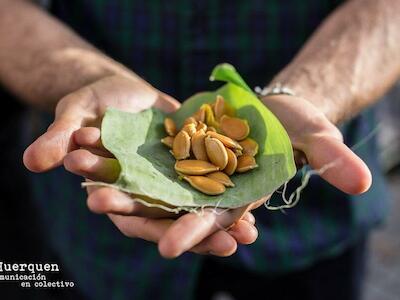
318 142
73 139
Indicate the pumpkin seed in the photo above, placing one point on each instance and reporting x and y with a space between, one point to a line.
168 141
217 155
238 152
216 152
181 145
205 185
198 145
250 146
190 120
221 178
228 142
246 163
170 127
232 162
210 118
200 115
219 108
190 129
201 126
234 128
194 167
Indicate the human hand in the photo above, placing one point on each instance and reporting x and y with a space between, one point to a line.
319 143
175 234
74 140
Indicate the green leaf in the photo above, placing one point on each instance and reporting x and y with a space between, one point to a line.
226 72
147 167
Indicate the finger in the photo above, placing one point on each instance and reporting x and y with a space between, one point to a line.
144 228
259 202
97 168
49 150
91 188
249 217
244 232
343 168
220 243
90 138
241 212
108 200
166 103
191 229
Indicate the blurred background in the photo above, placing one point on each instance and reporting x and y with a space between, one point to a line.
383 280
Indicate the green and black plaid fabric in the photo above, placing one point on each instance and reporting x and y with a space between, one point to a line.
174 45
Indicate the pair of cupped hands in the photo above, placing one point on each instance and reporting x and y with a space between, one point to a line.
73 140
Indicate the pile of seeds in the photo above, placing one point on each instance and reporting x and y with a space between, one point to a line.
211 146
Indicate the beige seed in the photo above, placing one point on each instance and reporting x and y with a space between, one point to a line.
238 152
219 108
246 163
170 127
198 145
205 185
250 146
232 162
235 128
221 178
190 120
181 145
194 167
168 141
190 129
228 142
201 126
216 152
200 115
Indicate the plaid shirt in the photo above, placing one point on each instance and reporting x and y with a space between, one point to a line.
174 45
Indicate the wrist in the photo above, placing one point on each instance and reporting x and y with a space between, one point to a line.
55 74
304 85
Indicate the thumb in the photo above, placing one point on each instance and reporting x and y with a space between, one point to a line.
166 103
49 150
340 166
